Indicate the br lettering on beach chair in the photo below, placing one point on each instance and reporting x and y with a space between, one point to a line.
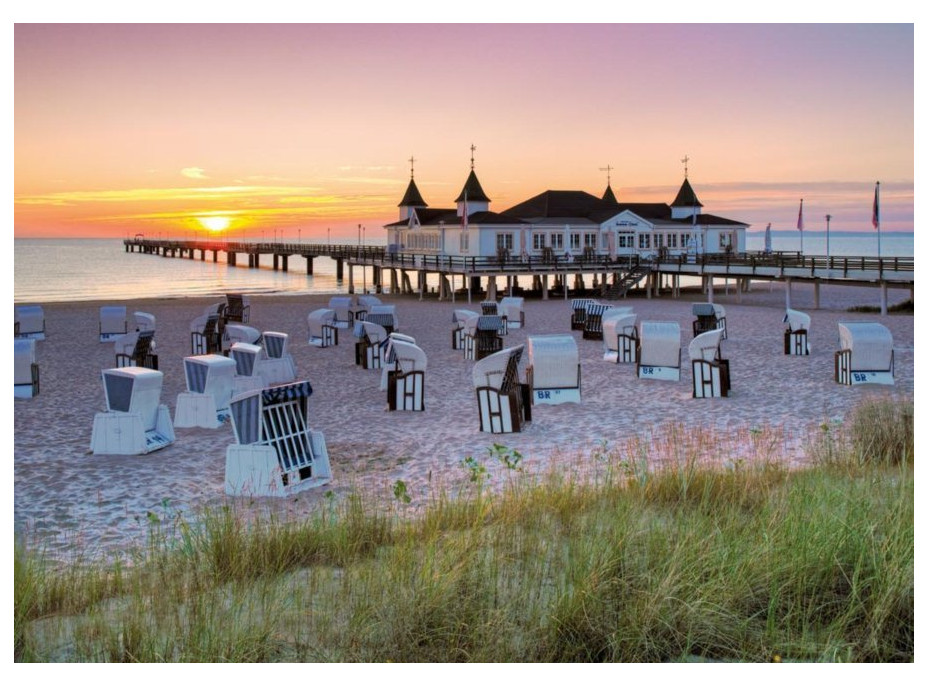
659 351
796 336
578 313
553 372
135 422
458 318
206 333
343 306
323 332
144 321
406 382
210 382
29 322
368 351
711 376
136 349
865 355
709 316
620 338
512 310
25 369
481 337
238 308
113 323
275 453
503 402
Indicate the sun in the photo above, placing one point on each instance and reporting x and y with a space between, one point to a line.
215 223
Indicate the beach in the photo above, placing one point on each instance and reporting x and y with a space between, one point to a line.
66 497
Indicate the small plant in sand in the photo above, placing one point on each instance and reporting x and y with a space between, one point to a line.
509 457
401 493
477 472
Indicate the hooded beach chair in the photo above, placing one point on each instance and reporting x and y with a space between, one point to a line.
553 372
482 337
489 307
135 422
343 307
659 351
503 402
113 323
711 377
206 333
136 349
29 322
865 354
275 452
239 333
406 381
620 338
796 336
389 356
362 305
458 317
709 316
512 309
385 316
276 366
144 321
25 369
578 312
238 308
322 330
247 358
593 322
368 351
210 382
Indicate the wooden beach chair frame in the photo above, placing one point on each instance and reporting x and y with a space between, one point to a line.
853 371
503 402
25 368
141 355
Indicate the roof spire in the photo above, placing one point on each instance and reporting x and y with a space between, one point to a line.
686 170
412 162
472 149
608 170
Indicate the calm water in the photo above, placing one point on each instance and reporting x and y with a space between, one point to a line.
57 270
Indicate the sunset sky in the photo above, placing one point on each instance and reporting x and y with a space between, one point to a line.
288 130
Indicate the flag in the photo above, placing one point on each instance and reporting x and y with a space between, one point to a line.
876 206
799 223
464 213
767 243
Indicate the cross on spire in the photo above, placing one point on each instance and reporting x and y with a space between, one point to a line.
412 162
686 170
608 169
472 149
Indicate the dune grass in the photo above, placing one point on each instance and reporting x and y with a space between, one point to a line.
692 560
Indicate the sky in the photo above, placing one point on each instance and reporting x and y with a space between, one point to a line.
306 130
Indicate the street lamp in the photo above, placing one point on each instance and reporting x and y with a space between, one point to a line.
828 239
328 234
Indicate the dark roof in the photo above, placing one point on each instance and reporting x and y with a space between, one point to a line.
712 219
473 190
609 196
433 217
412 198
686 197
561 204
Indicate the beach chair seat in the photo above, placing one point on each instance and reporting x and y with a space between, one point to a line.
406 381
323 332
659 351
865 354
368 351
484 338
458 317
113 323
512 310
206 334
503 402
275 452
25 368
135 422
709 316
136 349
620 338
343 306
578 312
144 321
210 383
239 333
238 308
553 372
277 365
29 322
711 374
796 336
593 322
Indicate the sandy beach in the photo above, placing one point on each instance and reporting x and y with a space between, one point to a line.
64 495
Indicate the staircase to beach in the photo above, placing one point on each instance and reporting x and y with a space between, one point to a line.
617 290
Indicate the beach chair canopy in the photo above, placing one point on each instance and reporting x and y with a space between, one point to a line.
134 348
342 305
211 375
704 310
623 324
489 307
23 359
554 360
273 416
385 315
369 301
136 390
319 318
113 319
275 344
30 319
796 320
871 345
511 307
580 303
214 308
499 370
660 344
705 346
373 332
408 356
240 333
460 316
489 322
719 310
246 357
614 312
144 321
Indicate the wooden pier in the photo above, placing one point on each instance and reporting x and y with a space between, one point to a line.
612 276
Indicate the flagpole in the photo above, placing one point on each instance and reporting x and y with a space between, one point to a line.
877 219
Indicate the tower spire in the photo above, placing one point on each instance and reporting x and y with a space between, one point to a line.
473 148
412 169
686 169
608 170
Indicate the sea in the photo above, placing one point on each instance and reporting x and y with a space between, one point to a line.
83 269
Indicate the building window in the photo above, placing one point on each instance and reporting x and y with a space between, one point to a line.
684 239
504 241
724 241
538 241
575 241
658 240
644 241
589 240
626 240
557 241
671 240
465 241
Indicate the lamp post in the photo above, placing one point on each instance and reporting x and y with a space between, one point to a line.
328 236
828 239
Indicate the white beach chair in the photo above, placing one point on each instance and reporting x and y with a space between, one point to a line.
392 324
406 382
620 338
322 329
275 453
29 322
210 382
482 337
711 376
361 306
389 357
659 351
512 309
458 317
239 333
136 349
578 312
593 321
247 358
206 333
144 321
135 422
865 354
368 351
25 369
503 402
709 316
553 372
342 306
796 336
237 309
113 323
489 307
277 365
